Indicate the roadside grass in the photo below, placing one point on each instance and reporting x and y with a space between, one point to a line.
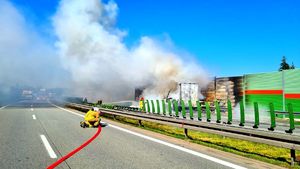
266 153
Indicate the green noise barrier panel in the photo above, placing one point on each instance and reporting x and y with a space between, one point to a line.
208 112
199 110
191 111
183 111
163 106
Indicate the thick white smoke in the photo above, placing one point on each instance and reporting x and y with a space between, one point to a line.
102 66
26 59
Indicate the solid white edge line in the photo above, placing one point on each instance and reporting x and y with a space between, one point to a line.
33 117
48 147
213 159
3 107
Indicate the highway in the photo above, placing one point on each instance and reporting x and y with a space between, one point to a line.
25 127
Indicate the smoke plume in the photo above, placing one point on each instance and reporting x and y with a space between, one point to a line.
91 48
26 59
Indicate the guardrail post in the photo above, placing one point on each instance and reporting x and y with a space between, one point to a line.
153 107
256 115
272 116
158 107
218 112
199 109
176 108
183 112
169 107
242 114
293 157
191 110
229 111
148 106
163 106
291 117
208 112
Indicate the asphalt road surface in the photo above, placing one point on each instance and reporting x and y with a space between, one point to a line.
25 127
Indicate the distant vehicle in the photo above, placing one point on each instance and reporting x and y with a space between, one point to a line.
188 91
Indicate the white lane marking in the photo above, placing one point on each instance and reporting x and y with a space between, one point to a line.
48 147
33 117
3 107
31 109
213 159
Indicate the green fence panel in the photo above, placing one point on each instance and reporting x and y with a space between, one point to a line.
272 117
256 115
292 120
242 114
153 107
169 107
163 106
199 110
183 112
208 112
191 111
158 106
144 108
148 106
218 111
176 108
229 111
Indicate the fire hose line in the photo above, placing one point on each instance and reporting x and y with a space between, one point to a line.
55 164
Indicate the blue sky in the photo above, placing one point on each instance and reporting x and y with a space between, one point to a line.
227 37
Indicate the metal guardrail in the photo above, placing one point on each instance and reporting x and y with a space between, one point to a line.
277 139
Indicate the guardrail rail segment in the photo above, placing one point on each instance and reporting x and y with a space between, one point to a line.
269 136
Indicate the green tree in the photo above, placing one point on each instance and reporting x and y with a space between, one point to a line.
284 65
292 66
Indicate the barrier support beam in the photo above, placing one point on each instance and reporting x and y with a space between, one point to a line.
242 114
183 109
256 115
169 107
208 112
199 109
272 117
218 111
191 111
291 117
163 107
229 111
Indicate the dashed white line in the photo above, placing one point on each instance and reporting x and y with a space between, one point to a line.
31 109
48 147
213 159
33 117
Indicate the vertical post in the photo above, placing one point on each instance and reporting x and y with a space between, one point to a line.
291 117
163 106
169 107
158 107
153 108
256 115
242 114
218 112
244 95
293 157
272 116
191 111
229 111
148 106
144 108
176 108
283 91
208 112
183 109
199 109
